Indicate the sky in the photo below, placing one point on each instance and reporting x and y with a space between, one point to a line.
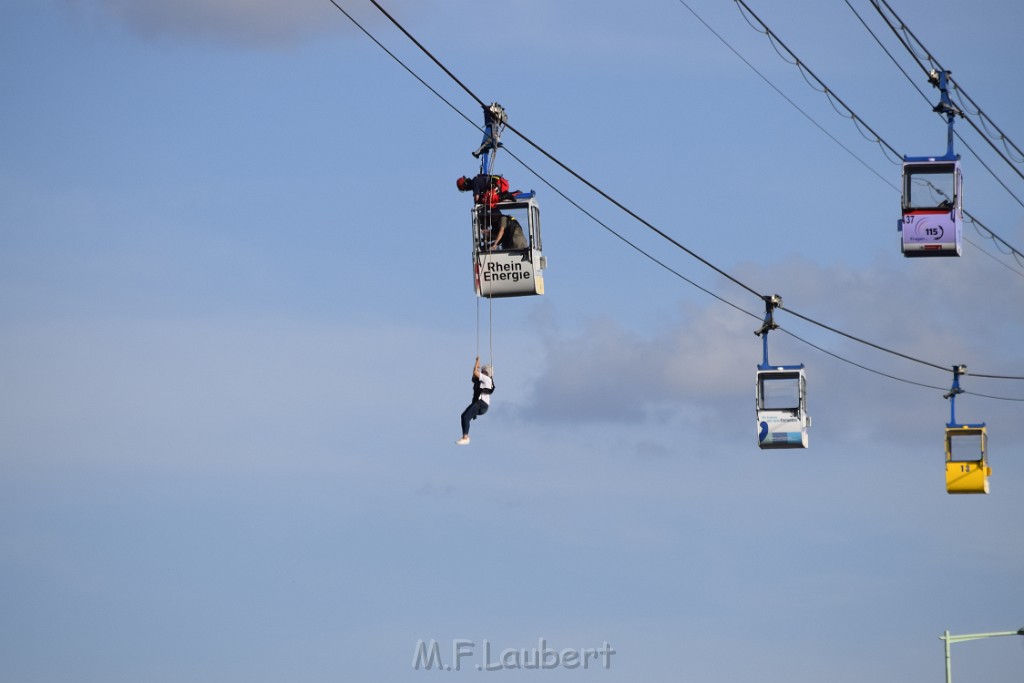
238 324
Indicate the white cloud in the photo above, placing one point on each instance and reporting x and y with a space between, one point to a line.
251 23
941 312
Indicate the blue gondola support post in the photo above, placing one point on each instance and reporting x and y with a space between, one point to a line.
967 469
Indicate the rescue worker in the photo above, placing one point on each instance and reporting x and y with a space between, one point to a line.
487 190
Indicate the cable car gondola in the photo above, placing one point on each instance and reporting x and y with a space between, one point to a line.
507 253
780 395
508 265
932 222
967 469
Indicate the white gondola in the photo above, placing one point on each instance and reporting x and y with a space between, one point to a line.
780 394
511 270
781 402
933 222
933 217
507 255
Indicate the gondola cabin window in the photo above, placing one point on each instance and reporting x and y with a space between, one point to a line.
929 187
780 391
966 446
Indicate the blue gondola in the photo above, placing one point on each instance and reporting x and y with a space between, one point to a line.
780 395
932 221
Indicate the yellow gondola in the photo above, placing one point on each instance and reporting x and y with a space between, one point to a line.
967 469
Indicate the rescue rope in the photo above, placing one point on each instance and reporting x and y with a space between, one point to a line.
483 247
490 333
490 329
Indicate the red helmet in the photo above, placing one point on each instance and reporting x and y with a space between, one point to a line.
464 184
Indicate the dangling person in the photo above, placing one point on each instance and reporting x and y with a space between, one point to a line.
483 387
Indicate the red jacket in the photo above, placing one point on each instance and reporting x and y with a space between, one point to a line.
487 190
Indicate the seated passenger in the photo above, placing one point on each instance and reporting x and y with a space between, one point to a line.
510 234
504 232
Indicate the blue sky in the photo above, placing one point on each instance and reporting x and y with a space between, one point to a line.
238 322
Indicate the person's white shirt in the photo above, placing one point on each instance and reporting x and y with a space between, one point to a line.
486 386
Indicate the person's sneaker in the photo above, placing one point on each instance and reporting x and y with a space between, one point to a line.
463 441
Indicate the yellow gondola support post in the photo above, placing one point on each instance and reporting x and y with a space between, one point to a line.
967 469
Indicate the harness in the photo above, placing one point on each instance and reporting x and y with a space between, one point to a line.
479 390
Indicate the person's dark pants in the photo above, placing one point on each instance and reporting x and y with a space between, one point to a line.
475 410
